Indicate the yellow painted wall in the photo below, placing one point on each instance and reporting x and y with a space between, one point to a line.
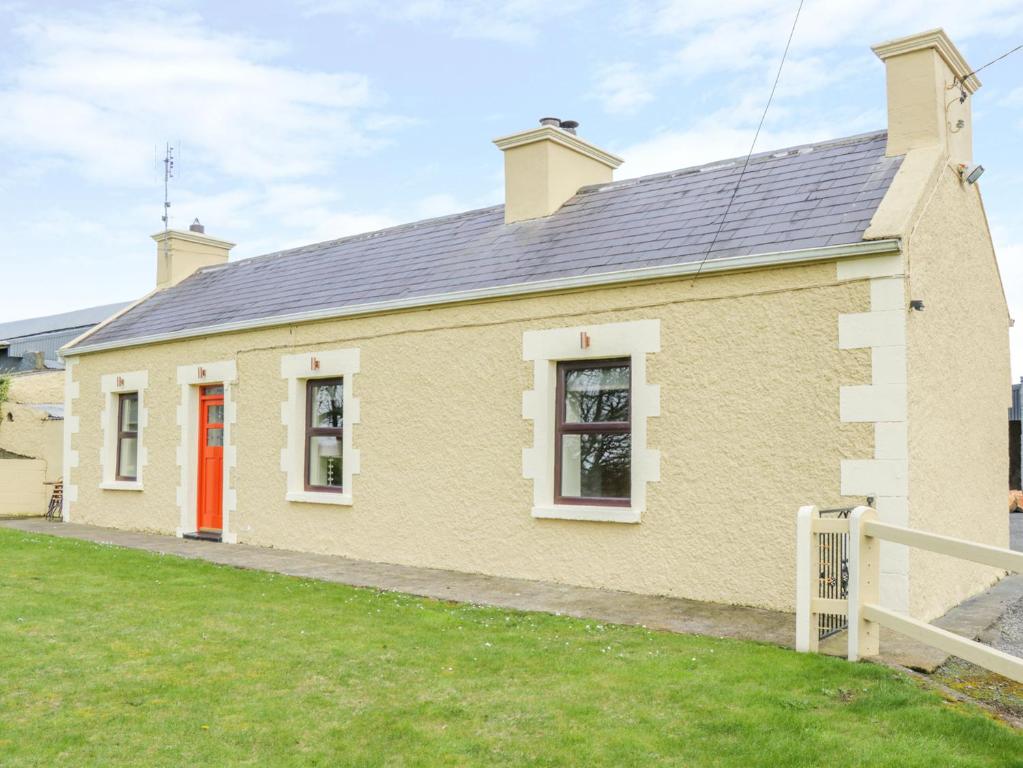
27 431
749 430
42 387
959 387
22 491
539 177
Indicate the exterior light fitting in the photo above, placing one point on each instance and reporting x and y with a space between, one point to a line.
970 173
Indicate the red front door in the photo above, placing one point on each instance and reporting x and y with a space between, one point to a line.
211 459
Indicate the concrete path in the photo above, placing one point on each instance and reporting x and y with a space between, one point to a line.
664 613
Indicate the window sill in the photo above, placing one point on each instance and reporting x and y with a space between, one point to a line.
596 514
316 497
121 485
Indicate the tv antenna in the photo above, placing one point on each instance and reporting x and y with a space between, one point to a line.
168 174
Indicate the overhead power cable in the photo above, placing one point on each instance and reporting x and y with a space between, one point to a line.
962 80
753 145
995 61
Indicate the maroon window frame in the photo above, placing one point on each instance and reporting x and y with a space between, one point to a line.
311 431
122 433
562 428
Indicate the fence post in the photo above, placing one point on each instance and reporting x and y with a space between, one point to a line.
806 580
864 578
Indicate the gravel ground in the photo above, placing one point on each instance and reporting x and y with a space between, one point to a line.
1007 634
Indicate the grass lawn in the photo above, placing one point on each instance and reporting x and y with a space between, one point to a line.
115 657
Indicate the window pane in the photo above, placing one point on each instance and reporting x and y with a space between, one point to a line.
328 407
215 437
325 460
129 413
217 389
596 465
597 394
128 457
215 414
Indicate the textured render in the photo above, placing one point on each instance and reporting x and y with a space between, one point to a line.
32 432
749 373
46 387
805 197
29 431
959 384
22 491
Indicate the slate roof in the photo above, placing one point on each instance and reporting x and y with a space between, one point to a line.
803 197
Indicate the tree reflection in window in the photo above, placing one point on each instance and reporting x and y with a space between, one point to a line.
593 460
324 433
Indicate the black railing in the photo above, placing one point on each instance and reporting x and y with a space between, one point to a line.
833 580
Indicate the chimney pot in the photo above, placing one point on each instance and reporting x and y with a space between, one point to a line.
550 121
195 226
570 126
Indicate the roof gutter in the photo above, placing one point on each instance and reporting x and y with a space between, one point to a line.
556 285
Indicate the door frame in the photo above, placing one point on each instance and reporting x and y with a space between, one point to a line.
205 401
191 378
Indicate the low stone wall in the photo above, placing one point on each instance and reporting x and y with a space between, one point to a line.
23 490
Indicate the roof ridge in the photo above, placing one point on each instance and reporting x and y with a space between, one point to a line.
732 161
582 190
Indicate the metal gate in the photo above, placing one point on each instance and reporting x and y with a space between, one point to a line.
833 573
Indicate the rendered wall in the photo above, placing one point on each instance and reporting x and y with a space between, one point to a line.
43 387
749 374
959 389
28 431
21 487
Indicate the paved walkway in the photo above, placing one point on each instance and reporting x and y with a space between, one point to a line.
663 613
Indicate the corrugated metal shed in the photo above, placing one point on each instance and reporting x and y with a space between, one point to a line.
21 340
1016 409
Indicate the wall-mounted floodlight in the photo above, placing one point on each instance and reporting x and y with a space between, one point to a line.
970 173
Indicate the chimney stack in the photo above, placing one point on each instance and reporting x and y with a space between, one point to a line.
545 166
180 254
927 77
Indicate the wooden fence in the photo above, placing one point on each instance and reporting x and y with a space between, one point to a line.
861 606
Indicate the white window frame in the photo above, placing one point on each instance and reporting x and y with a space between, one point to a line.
112 386
545 349
297 370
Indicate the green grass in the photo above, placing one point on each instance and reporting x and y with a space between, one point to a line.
115 657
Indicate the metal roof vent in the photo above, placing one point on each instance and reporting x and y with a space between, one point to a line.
195 226
565 125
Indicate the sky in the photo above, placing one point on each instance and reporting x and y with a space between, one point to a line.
310 120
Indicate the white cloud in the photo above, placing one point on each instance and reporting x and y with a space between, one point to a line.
622 88
671 150
698 40
96 91
511 21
